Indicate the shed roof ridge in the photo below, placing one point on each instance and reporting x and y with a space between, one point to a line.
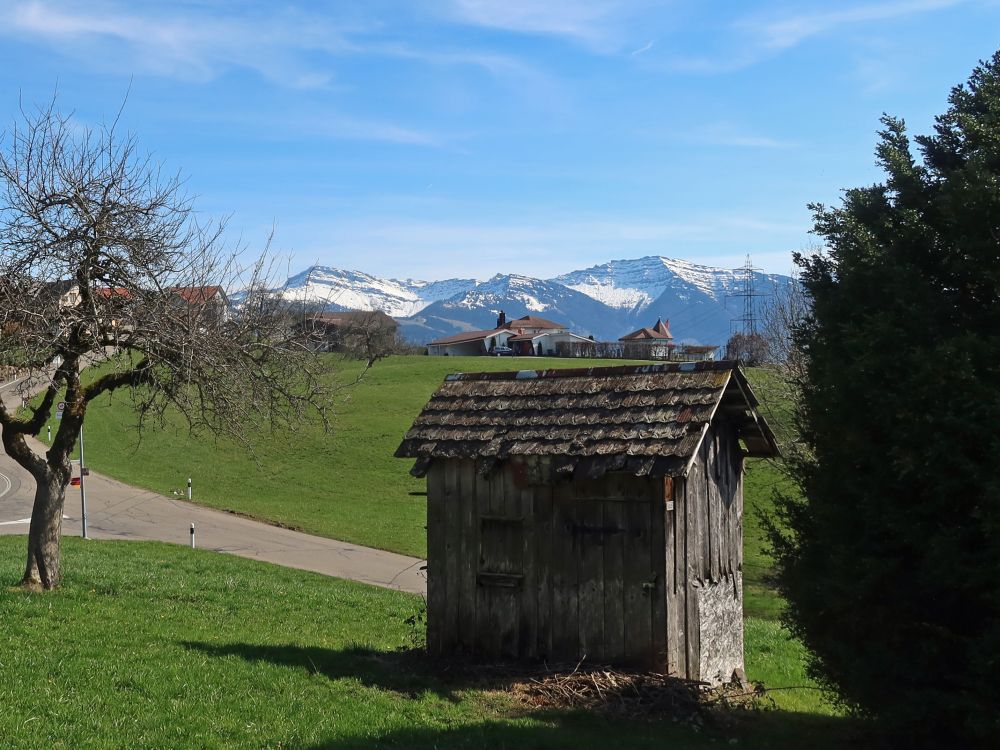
602 371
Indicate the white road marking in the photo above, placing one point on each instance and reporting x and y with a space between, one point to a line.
13 382
26 520
6 480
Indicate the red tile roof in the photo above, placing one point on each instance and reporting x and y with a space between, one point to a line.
659 332
196 295
108 292
526 337
529 321
460 338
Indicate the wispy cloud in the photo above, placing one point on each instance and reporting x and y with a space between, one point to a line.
192 46
642 50
591 23
790 31
288 46
722 134
763 36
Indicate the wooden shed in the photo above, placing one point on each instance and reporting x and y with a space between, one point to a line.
589 513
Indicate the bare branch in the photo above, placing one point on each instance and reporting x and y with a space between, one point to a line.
104 264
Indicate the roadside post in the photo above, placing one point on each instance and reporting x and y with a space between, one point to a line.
189 495
192 536
83 489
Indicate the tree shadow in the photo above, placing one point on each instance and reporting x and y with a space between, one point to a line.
576 730
412 674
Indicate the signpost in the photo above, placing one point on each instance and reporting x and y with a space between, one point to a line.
83 484
60 408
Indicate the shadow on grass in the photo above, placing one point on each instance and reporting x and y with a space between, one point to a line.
412 675
576 730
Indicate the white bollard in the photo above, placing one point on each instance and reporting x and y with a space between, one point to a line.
189 488
192 536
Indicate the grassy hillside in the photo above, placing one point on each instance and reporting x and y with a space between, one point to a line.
150 645
345 484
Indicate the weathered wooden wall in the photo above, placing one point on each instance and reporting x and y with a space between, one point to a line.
545 571
705 544
623 569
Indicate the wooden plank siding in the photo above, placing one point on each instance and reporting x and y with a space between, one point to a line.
437 592
712 496
610 569
549 571
614 579
565 595
694 542
676 566
590 513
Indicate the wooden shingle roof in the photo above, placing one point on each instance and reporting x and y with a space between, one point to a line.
644 419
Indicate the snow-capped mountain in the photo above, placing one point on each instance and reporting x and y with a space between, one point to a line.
606 301
636 284
700 301
339 289
477 308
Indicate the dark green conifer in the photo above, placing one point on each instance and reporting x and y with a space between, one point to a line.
891 563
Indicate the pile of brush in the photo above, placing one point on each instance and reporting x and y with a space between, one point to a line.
634 695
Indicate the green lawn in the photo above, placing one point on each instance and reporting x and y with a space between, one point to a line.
154 646
159 646
345 484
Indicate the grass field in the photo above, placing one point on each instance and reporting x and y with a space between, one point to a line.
345 484
161 646
153 646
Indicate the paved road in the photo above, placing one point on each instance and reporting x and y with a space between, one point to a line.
119 511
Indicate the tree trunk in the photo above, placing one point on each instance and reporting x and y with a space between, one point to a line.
42 571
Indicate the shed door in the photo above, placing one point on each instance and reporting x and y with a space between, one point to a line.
606 564
500 573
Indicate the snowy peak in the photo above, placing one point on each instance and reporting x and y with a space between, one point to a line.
337 288
435 291
633 285
534 295
606 300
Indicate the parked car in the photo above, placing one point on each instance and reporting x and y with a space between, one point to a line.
502 351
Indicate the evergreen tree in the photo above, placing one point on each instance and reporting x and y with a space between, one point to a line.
891 562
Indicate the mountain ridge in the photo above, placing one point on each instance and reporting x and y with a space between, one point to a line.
606 300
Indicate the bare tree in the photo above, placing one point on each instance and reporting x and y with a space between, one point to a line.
785 311
103 264
749 349
371 335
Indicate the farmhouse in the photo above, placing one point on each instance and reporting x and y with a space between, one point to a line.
589 513
527 335
210 303
650 343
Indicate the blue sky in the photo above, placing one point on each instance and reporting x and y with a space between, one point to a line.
469 137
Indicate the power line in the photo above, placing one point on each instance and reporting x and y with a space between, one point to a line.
748 320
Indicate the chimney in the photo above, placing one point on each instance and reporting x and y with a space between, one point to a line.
502 319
